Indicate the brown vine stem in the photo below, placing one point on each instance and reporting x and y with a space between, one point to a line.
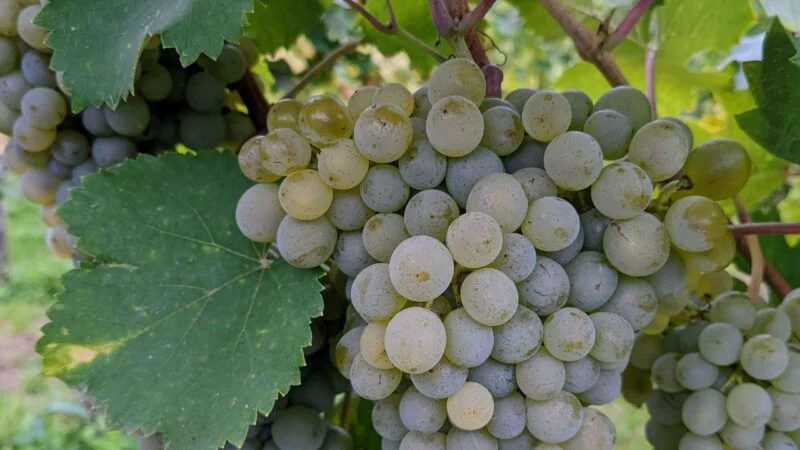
393 27
650 75
588 44
745 229
344 420
476 15
324 64
252 97
773 277
756 255
628 24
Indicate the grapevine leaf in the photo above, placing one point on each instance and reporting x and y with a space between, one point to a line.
182 326
788 11
542 23
773 123
277 23
97 43
364 435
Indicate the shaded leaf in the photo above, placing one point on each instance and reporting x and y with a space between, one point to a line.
278 23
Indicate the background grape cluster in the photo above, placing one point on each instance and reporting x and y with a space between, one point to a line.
502 256
53 148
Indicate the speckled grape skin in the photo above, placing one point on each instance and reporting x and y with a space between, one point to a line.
546 114
622 191
471 407
350 256
660 148
421 268
457 76
637 247
476 439
360 100
581 106
592 280
536 183
415 340
489 296
384 190
541 377
430 213
251 163
348 212
573 160
259 213
502 197
596 432
323 120
614 337
517 257
634 300
422 167
372 345
382 233
474 239
454 126
612 130
464 172
415 440
283 114
495 376
546 289
441 381
551 224
629 101
395 94
764 357
386 418
420 413
304 196
503 131
374 296
695 223
422 103
341 166
581 375
556 419
508 420
383 133
306 243
785 410
468 343
372 383
347 349
284 151
569 334
519 338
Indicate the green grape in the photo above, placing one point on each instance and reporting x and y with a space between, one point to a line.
614 337
694 223
348 212
634 300
383 133
518 97
395 94
636 385
323 120
789 380
39 186
306 243
501 196
573 160
774 440
457 76
12 87
569 334
31 33
384 190
622 191
416 440
719 257
471 407
518 339
370 382
749 405
200 131
502 132
685 128
597 432
546 115
629 101
50 216
422 167
694 373
720 343
491 102
718 169
422 104
646 349
709 285
7 118
238 129
252 165
341 165
637 247
284 114
474 239
660 148
704 412
155 84
691 441
551 224
430 213
361 99
554 420
612 130
734 308
8 55
536 183
764 357
304 196
44 107
517 258
418 127
663 372
469 343
454 126
31 138
230 66
581 106
60 242
529 154
421 268
737 437
259 213
204 93
774 322
785 410
283 151
374 297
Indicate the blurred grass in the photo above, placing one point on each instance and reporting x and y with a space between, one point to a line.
36 412
629 422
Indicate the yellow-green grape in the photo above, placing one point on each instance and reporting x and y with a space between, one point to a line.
8 20
284 114
457 76
361 100
283 151
491 102
32 34
259 213
471 407
422 104
304 196
685 128
39 186
710 285
629 101
373 347
518 97
395 94
637 247
454 126
31 138
695 222
50 216
660 148
341 165
502 131
250 49
657 325
251 163
59 241
581 107
323 120
622 191
546 115
383 133
719 257
718 169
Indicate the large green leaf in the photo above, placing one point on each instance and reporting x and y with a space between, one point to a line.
183 326
97 42
773 124
277 23
788 11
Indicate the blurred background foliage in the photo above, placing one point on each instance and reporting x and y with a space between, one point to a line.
702 46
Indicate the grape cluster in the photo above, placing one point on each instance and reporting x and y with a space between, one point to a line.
728 379
52 148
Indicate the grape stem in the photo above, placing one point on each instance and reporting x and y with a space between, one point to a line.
745 229
324 64
628 24
344 419
476 15
393 27
756 255
588 44
650 66
253 98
